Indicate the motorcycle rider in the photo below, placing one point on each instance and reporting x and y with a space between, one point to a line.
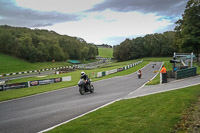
139 72
85 77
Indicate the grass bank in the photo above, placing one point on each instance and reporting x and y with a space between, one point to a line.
106 52
154 114
10 64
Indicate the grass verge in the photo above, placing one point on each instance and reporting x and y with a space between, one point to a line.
153 114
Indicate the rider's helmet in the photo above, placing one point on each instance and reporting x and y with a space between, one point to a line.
82 74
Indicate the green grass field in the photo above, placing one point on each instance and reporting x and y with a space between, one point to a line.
9 64
106 52
158 113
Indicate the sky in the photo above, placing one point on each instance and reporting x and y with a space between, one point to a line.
96 21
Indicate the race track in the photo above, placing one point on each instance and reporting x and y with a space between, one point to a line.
39 112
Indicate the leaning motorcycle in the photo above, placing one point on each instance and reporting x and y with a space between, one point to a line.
83 88
139 75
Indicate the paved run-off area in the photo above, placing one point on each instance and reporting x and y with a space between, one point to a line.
173 85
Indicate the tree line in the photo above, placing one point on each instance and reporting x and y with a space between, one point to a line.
43 45
151 45
184 38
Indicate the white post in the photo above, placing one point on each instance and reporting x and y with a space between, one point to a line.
160 78
191 59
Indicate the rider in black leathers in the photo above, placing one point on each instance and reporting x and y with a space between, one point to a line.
85 77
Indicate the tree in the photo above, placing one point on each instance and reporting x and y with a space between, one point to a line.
85 53
6 42
167 48
26 47
188 28
116 50
92 52
125 50
56 53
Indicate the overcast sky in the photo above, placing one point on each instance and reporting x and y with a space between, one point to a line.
96 21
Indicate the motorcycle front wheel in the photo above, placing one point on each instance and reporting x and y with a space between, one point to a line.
91 88
82 90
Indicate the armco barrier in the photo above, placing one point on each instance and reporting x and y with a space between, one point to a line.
41 70
33 83
107 72
103 73
100 74
113 71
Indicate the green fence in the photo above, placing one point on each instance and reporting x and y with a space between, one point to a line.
184 73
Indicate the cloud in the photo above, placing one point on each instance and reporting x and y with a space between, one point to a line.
99 27
160 7
97 21
65 6
11 14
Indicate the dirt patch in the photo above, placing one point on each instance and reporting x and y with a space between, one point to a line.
190 121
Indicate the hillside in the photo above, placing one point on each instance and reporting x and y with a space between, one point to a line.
10 64
43 45
105 52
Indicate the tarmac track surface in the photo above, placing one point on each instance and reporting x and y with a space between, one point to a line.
39 112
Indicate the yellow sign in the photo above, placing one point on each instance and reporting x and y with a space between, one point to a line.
155 71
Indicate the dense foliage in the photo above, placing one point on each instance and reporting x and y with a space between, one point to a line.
43 45
152 45
188 28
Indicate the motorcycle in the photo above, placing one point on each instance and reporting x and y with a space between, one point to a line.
83 88
139 74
